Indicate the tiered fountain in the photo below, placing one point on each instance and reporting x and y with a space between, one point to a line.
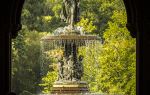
69 39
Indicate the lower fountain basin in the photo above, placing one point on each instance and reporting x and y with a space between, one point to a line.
70 87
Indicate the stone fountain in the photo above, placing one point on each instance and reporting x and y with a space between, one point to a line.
69 39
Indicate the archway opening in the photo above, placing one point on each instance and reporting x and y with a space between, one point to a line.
114 70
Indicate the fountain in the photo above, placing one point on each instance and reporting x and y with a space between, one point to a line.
69 39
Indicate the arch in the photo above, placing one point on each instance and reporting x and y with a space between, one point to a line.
131 16
16 10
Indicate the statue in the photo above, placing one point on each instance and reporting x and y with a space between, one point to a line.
66 69
70 67
60 69
70 12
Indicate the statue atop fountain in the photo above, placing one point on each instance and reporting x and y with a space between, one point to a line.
70 12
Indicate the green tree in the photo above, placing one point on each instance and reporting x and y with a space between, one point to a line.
117 58
26 66
42 15
91 64
48 81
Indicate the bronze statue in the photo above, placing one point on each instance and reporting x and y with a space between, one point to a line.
70 63
65 68
69 70
70 12
60 69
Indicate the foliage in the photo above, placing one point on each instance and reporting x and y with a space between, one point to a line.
91 64
51 76
48 81
117 58
26 68
87 25
42 15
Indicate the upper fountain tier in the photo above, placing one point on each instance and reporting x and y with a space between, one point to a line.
65 33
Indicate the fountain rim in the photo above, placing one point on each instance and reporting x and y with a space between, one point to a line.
70 37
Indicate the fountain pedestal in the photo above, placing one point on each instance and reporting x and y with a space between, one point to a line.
70 87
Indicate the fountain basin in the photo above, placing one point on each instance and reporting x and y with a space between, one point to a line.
70 37
70 87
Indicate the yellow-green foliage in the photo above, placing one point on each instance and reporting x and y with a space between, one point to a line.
87 25
48 81
46 19
51 76
91 64
118 58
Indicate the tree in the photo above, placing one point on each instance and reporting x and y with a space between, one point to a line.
26 68
118 74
